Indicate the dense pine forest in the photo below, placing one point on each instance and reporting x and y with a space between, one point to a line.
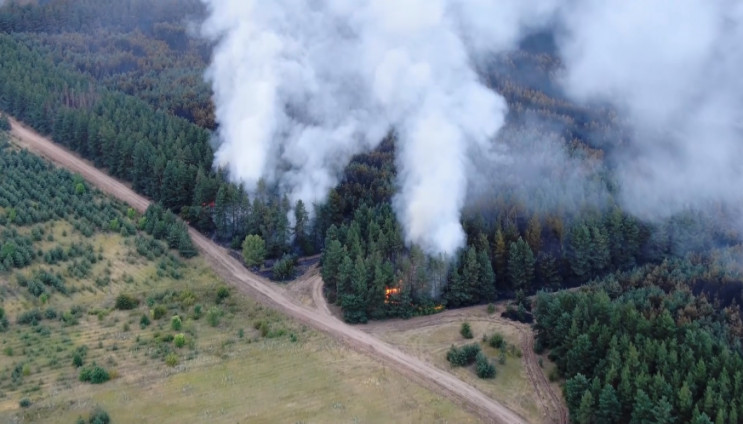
655 337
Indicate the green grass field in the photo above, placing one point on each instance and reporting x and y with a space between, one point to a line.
511 385
225 359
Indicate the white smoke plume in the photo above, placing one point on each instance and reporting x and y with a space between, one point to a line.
673 70
300 87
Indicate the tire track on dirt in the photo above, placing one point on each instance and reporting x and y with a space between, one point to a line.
234 272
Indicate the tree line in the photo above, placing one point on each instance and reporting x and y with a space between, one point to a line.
639 347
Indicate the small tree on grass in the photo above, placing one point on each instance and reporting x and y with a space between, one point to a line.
125 302
179 340
222 294
496 341
254 250
99 416
175 323
483 367
213 316
466 330
94 374
77 360
462 356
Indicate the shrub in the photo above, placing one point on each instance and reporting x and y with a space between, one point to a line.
284 268
496 341
77 360
30 317
483 367
222 294
179 340
171 359
197 311
159 311
4 324
50 313
144 321
462 356
99 416
125 302
94 374
24 403
491 308
254 250
502 357
175 323
213 316
466 330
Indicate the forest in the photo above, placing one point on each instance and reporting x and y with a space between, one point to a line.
653 338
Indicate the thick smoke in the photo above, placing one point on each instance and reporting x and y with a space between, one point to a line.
672 68
300 87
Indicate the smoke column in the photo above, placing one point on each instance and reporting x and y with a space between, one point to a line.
300 87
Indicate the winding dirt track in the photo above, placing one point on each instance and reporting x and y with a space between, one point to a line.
232 271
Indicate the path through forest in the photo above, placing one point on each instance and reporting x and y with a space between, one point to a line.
319 318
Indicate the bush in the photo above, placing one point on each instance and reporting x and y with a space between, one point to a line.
24 403
222 294
175 323
484 368
213 316
50 313
171 359
125 302
144 321
462 356
30 317
159 311
99 416
496 341
491 308
466 330
197 311
94 374
284 268
4 324
179 340
77 360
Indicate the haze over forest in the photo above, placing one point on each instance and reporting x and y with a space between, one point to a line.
433 155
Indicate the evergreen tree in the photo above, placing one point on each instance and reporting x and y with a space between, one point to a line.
254 250
521 265
609 409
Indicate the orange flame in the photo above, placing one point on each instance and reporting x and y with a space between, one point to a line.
389 292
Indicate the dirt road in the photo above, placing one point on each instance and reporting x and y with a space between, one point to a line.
233 272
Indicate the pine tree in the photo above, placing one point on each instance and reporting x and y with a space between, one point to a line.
487 290
300 230
254 250
643 409
331 262
585 410
609 408
534 234
521 265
